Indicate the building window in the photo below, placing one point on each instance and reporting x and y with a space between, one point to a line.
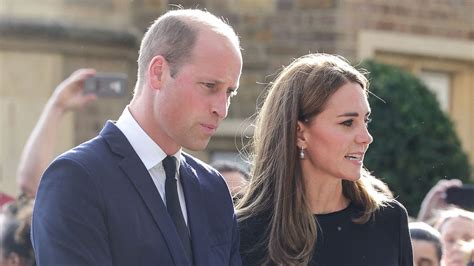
440 84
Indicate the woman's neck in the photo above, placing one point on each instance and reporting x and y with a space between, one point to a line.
325 196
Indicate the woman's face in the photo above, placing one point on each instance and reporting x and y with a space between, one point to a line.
336 140
424 253
456 234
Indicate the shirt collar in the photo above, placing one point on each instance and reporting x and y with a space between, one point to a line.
149 152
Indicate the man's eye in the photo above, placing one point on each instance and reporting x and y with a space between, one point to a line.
347 123
209 85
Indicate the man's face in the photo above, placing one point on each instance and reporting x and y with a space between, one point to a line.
191 105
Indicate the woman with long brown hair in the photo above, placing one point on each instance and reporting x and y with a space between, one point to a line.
310 200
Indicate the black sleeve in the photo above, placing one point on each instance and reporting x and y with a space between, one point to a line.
235 259
252 237
406 251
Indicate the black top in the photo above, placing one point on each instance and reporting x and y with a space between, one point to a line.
383 241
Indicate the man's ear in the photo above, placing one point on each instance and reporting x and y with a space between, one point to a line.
300 134
157 71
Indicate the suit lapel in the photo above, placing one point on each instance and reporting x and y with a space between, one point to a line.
196 209
143 183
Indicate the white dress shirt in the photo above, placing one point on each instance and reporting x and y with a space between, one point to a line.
151 155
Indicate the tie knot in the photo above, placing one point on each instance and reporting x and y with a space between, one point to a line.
169 164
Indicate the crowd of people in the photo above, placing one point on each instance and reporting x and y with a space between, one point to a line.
132 196
16 214
443 233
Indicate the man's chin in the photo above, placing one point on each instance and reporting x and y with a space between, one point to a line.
197 145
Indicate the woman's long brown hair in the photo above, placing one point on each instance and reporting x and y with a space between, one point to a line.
299 93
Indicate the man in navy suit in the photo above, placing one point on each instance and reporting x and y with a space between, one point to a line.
108 201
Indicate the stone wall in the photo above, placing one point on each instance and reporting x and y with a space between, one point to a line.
35 56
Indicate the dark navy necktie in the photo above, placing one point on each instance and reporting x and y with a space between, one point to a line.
173 206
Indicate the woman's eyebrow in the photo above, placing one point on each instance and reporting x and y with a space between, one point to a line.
352 114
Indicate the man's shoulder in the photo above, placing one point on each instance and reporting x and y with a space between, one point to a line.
199 166
208 177
108 141
89 150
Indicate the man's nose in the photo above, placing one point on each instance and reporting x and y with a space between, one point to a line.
220 105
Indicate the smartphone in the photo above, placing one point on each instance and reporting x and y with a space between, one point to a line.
462 196
106 84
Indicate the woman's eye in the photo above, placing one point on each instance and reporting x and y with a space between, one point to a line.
347 123
467 238
450 240
368 120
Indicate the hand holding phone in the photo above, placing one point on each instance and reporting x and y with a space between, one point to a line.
462 196
106 84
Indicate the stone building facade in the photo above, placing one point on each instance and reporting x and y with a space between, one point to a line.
43 41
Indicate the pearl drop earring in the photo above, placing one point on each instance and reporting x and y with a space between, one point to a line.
302 156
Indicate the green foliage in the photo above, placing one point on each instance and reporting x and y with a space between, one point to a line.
415 144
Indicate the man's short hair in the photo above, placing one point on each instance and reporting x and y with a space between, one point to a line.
174 34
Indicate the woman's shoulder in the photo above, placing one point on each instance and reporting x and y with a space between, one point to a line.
253 238
255 218
391 210
393 206
253 226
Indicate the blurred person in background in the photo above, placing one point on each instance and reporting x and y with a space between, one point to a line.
456 227
5 198
310 201
234 174
15 225
38 151
427 248
15 217
435 200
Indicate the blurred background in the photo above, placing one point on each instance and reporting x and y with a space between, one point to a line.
432 41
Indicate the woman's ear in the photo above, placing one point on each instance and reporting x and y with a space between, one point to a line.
300 134
157 71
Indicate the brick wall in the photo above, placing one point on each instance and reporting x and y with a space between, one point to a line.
274 32
441 18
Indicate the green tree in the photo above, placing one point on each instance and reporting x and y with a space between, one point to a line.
415 144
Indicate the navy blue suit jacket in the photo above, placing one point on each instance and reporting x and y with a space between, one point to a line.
97 205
